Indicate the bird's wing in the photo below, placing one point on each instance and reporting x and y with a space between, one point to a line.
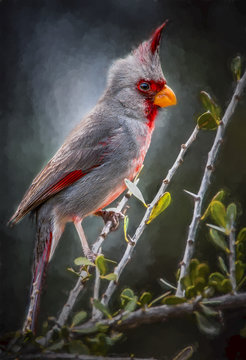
83 150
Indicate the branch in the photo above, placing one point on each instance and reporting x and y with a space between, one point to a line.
65 356
189 250
165 312
129 250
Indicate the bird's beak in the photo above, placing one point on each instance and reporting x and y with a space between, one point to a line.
165 97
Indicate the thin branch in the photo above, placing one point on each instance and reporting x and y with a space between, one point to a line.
165 312
189 250
65 356
232 259
96 290
129 250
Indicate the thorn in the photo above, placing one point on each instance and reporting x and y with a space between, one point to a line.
183 146
196 197
210 167
166 181
237 97
191 242
181 161
221 123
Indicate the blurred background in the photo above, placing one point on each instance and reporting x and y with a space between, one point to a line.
54 60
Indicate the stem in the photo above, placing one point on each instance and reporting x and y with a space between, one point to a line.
212 155
129 250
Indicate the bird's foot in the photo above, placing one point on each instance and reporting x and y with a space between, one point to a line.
113 216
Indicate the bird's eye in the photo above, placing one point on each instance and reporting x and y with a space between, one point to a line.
144 86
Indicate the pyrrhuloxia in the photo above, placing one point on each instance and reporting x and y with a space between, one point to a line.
107 146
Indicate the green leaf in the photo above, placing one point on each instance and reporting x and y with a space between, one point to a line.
185 354
207 325
236 65
126 222
156 300
231 213
206 121
109 277
173 300
101 264
199 283
131 305
222 265
99 306
135 191
79 318
226 286
242 235
240 269
145 298
218 213
210 105
167 284
207 310
56 346
126 295
218 240
73 271
160 206
83 261
194 263
208 291
77 347
219 196
217 277
202 270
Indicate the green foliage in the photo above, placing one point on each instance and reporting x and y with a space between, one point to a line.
211 118
160 206
236 66
135 191
102 264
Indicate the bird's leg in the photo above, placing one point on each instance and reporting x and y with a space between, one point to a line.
87 251
113 216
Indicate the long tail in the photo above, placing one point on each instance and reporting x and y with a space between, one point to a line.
40 270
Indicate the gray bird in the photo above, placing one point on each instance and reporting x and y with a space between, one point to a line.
107 146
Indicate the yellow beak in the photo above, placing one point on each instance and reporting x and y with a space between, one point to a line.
165 97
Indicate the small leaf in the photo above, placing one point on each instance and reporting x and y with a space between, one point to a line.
236 65
99 306
207 326
199 284
206 121
126 295
145 298
226 286
218 240
101 264
210 105
202 270
135 191
56 346
72 271
126 222
83 261
240 269
231 213
109 277
131 305
156 300
218 213
207 310
219 196
190 292
194 263
160 206
79 318
217 277
222 265
173 300
242 235
185 354
167 284
78 347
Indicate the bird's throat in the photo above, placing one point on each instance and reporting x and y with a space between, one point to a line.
151 110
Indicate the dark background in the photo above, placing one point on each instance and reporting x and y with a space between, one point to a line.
54 61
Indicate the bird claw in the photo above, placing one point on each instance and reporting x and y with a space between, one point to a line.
113 216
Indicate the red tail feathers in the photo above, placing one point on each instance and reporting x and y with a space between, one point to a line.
37 282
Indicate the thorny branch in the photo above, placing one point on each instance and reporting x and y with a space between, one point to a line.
66 356
199 198
129 250
165 312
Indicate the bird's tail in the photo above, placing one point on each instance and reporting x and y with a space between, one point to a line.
42 257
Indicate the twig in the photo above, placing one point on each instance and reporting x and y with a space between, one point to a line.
189 250
129 250
165 312
51 355
232 259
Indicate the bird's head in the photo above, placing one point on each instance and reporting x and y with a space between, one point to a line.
137 81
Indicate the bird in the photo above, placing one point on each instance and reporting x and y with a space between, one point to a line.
88 171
